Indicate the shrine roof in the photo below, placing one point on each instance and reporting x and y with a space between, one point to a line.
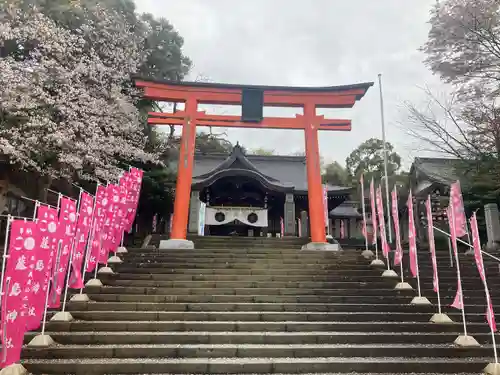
284 171
309 89
439 170
346 209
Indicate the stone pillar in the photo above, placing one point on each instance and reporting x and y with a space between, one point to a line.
304 222
492 225
336 229
330 227
289 211
194 212
353 228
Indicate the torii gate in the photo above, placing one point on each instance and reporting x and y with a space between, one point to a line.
252 99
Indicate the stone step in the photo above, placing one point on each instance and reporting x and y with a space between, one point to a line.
373 277
310 337
360 298
125 268
255 365
277 307
267 316
285 326
250 291
365 290
142 351
381 283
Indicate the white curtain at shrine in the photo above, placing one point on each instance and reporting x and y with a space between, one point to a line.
229 214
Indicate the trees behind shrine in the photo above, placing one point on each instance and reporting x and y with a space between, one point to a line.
463 48
68 108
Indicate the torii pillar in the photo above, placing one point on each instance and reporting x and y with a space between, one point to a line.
252 99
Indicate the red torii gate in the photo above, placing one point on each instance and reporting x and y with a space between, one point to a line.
194 93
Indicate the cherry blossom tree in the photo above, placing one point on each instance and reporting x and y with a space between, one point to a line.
67 106
463 46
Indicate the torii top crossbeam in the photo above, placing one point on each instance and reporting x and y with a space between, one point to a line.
253 99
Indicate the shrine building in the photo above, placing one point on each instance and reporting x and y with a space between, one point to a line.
249 195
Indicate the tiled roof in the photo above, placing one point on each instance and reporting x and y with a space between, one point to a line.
441 170
283 170
346 209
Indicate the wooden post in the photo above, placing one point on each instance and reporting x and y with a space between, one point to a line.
314 190
185 172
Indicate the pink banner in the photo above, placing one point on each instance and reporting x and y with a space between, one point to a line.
133 193
84 223
460 223
363 229
325 203
342 229
67 232
374 212
282 228
412 237
458 302
17 289
49 237
381 220
432 244
398 255
490 315
101 204
108 230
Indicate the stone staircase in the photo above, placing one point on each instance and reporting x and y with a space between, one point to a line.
248 306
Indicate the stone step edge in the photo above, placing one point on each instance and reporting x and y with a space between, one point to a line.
234 360
264 346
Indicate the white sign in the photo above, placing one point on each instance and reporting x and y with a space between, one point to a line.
201 219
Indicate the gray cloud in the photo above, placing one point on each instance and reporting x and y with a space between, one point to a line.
318 42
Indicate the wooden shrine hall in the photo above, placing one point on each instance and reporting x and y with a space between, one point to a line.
249 195
252 100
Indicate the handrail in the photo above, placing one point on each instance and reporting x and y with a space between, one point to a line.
466 243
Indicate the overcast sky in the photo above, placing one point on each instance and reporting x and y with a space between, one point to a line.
311 43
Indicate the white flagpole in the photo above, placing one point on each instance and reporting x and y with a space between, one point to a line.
62 315
43 340
5 255
382 120
459 277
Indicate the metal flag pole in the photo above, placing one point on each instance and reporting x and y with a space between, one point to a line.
5 255
367 253
382 119
63 315
462 340
43 340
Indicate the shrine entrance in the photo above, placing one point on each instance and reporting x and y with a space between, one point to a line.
252 99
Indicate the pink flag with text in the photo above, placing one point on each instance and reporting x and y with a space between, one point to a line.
432 244
133 193
48 224
363 228
342 229
101 204
398 255
67 231
23 242
490 315
108 230
282 228
412 237
456 200
458 302
84 223
374 212
381 221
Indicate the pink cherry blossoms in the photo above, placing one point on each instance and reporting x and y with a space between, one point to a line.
66 101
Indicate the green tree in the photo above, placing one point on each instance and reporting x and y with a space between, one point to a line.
368 159
335 174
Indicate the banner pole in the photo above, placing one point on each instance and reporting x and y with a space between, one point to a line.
5 253
459 277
